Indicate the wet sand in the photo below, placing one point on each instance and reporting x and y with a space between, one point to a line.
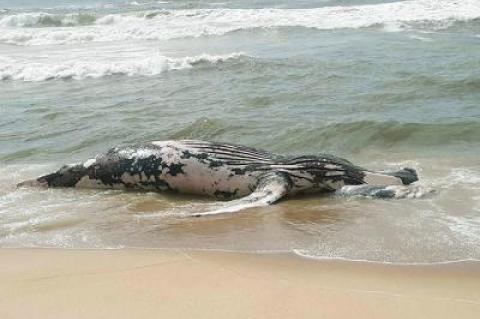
54 283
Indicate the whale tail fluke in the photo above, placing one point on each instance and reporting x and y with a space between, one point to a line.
404 176
407 175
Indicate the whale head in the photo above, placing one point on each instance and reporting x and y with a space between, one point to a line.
67 176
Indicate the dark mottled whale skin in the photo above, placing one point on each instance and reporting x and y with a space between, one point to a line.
222 170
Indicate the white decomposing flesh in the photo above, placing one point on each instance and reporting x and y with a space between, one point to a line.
334 173
410 191
140 153
348 189
89 163
332 166
399 191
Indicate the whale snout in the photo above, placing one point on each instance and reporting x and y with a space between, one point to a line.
67 176
37 183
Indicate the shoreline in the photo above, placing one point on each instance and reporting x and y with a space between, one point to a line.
146 283
287 253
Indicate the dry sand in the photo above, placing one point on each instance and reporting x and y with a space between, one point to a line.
45 283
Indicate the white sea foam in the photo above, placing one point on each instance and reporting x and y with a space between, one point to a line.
307 254
465 176
468 227
169 24
72 68
460 177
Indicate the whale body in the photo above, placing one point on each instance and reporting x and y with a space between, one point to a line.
225 171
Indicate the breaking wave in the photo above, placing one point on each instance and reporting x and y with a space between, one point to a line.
11 69
42 19
43 28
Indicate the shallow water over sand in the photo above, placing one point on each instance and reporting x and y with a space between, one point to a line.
402 91
438 228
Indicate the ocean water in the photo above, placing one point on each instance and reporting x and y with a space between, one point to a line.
385 84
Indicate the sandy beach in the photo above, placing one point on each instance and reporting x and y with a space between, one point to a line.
54 283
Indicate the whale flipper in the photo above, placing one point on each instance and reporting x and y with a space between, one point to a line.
271 187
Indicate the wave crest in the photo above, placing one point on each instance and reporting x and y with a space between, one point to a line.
11 69
42 19
169 24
